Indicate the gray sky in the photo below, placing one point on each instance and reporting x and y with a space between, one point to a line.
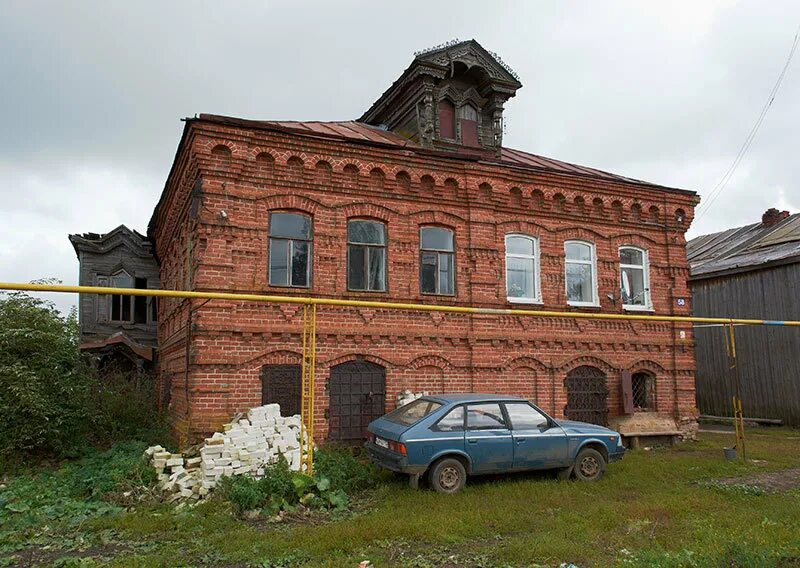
91 95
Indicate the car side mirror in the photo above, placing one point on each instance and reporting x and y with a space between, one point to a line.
544 425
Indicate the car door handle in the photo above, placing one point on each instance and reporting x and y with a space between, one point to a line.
472 440
520 441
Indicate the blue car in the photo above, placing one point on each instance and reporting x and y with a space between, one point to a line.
451 436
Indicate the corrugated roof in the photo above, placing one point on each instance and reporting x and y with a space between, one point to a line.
364 133
744 248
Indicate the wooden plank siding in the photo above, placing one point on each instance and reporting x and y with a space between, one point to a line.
768 356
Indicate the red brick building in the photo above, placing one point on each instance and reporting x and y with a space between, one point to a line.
417 201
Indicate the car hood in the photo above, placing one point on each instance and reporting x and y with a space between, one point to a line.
573 427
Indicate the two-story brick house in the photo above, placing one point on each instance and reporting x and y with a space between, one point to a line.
417 201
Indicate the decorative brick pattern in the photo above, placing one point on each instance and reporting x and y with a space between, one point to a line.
215 238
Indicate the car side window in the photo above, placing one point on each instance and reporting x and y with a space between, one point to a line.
485 416
525 417
452 422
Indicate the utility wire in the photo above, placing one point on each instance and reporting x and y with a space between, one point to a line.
716 191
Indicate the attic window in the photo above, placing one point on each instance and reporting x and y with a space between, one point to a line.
447 120
468 120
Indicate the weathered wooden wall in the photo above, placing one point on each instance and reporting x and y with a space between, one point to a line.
768 356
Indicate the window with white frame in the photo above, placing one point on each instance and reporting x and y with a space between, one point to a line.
290 250
634 278
580 268
522 268
436 261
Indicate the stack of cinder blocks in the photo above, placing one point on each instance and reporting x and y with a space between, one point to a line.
245 447
407 396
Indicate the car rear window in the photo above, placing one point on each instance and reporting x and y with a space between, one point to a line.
413 411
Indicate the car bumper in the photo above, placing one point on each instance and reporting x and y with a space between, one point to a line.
618 455
393 461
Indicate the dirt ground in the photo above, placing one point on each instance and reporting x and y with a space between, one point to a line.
772 481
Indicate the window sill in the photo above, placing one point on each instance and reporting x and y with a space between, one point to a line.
583 305
524 301
637 309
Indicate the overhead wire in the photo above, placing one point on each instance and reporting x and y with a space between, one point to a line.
716 191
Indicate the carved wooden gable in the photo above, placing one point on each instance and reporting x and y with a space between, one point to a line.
450 97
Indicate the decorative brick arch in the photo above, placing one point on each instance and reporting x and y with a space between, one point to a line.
525 361
647 365
522 227
291 201
256 151
356 356
438 218
430 361
589 361
274 357
366 209
632 239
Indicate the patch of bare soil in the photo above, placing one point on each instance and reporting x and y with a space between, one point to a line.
778 481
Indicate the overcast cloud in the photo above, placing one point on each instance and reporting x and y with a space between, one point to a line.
91 95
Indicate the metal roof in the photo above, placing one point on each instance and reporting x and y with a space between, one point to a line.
745 248
360 132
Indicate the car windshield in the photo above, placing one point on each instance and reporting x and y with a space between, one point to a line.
413 411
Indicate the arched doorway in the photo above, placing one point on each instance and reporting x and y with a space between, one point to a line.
587 395
357 395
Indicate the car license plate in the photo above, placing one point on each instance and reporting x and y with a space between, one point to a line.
381 442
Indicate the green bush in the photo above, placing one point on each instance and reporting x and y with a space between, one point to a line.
284 490
45 389
52 401
345 470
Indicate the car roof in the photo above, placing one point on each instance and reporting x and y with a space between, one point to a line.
472 397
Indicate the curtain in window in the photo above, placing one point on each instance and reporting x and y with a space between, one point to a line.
521 267
580 279
633 277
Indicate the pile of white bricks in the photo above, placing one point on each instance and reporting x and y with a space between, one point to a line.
407 396
245 447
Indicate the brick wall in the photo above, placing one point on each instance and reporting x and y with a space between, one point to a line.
334 181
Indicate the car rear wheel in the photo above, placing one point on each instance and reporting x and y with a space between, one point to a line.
448 476
589 465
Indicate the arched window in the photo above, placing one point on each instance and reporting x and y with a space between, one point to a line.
447 120
366 255
581 273
634 278
290 237
436 261
522 269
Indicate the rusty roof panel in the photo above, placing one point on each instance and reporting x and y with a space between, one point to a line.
747 247
364 133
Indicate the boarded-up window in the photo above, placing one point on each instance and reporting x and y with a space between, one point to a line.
468 121
281 384
447 120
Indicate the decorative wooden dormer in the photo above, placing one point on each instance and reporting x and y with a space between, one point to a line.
450 97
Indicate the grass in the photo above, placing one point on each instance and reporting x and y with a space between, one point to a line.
655 508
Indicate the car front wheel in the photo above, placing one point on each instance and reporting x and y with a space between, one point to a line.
448 476
589 465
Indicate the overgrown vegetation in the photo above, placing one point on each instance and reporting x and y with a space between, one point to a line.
52 401
654 508
99 483
337 473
